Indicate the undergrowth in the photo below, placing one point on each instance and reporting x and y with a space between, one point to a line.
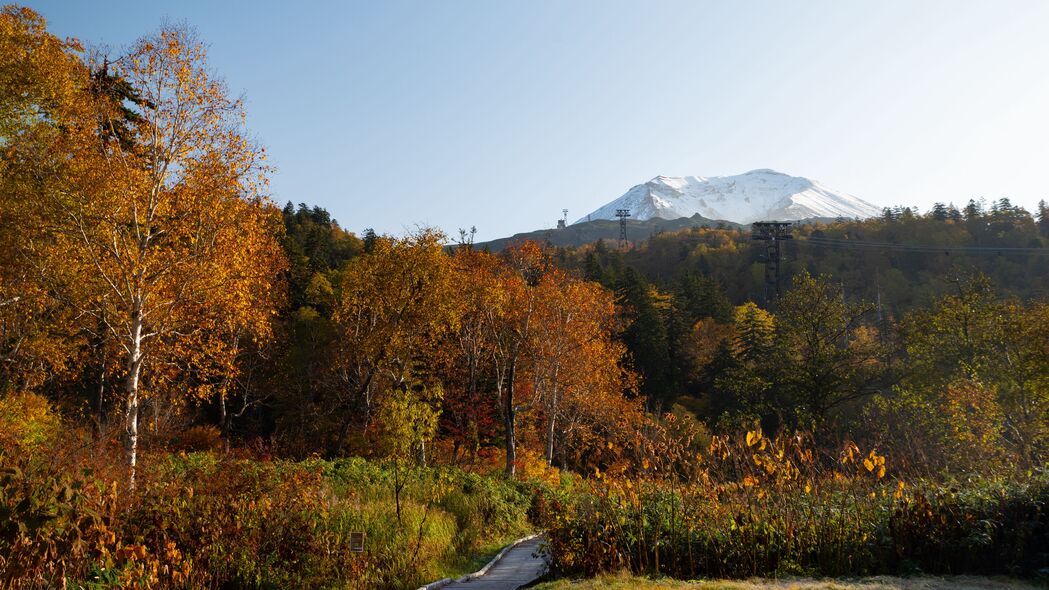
203 521
763 507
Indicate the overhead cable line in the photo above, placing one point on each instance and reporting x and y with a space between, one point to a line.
923 248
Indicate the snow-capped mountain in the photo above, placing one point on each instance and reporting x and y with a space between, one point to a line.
757 195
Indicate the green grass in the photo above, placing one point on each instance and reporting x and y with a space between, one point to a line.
469 518
461 565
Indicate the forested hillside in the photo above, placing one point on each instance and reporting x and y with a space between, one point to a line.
905 257
886 268
586 232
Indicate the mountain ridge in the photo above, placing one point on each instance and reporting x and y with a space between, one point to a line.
757 195
587 232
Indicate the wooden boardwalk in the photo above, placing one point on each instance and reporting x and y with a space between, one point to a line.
519 567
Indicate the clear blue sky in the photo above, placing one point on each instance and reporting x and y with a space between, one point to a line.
499 114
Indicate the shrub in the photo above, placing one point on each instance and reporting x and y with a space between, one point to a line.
763 507
51 525
198 438
27 422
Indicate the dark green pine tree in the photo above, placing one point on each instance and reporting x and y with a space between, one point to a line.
126 98
646 339
592 270
939 212
973 210
702 297
719 401
1043 218
314 244
369 239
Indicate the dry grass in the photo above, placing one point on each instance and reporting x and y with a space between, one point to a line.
877 583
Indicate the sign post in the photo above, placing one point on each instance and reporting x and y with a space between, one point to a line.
357 542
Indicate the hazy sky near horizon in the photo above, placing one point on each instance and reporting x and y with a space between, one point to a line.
499 114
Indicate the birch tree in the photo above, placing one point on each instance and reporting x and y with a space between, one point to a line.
158 201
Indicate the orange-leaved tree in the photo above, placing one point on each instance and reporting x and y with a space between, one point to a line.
577 362
469 417
155 198
511 330
42 92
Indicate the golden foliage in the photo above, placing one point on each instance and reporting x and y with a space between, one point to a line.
27 421
158 239
41 89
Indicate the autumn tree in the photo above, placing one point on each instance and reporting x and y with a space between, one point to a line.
468 373
510 324
43 86
567 359
409 422
707 338
165 223
578 367
974 337
542 345
709 350
1021 373
393 312
828 355
957 337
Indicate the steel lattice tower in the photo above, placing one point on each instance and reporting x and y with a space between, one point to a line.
772 233
622 214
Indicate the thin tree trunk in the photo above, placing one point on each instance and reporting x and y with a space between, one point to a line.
101 416
225 417
131 444
131 420
510 417
552 422
131 390
550 440
511 444
225 420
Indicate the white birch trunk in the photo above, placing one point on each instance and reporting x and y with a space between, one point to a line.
134 369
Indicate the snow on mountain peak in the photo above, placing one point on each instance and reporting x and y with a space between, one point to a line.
761 194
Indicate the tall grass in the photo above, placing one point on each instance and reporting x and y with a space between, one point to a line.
754 506
203 521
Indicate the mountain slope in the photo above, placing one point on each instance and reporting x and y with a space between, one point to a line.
745 198
578 234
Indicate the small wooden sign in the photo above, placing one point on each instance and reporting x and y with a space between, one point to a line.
357 542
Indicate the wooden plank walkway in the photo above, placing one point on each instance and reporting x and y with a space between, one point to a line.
519 567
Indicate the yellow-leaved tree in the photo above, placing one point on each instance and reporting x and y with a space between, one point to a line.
154 199
395 307
42 83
